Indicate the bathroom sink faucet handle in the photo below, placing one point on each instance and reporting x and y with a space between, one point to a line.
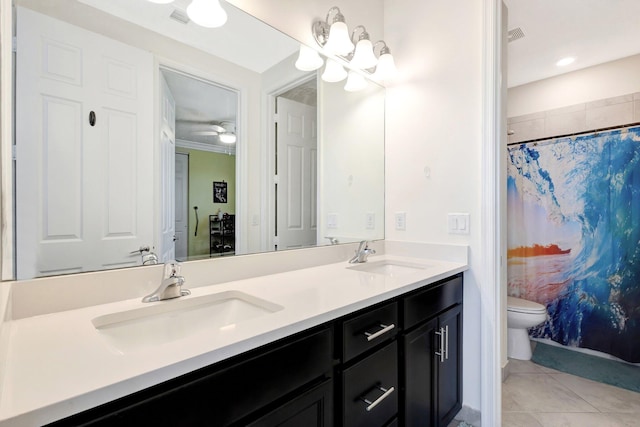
171 268
171 285
362 253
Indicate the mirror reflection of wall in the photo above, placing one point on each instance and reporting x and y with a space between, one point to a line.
118 166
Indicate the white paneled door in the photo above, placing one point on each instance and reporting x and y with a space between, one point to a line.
167 132
182 206
296 194
84 149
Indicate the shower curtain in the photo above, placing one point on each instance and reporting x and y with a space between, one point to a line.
574 238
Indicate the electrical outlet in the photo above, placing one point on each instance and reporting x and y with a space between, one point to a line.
332 220
370 221
401 221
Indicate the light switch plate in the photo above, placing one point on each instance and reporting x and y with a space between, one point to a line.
458 223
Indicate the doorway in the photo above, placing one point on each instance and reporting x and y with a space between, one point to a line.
296 160
206 116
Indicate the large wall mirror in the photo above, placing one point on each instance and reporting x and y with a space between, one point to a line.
142 136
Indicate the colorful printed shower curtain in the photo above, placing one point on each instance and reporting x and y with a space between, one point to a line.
574 238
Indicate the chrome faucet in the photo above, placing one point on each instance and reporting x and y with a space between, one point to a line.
362 253
171 285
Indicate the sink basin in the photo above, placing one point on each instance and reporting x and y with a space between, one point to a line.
171 320
389 268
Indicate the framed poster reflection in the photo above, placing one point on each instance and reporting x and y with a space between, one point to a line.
219 192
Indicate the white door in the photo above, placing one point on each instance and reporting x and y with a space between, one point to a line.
296 195
167 142
84 197
182 207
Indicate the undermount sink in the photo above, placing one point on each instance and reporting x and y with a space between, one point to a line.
166 321
389 268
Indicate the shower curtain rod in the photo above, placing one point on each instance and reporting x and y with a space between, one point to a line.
587 132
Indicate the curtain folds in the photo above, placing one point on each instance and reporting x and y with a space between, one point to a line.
574 238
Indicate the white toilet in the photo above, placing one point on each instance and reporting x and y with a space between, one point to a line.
521 315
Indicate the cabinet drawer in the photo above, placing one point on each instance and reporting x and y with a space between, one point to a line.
426 304
368 330
370 389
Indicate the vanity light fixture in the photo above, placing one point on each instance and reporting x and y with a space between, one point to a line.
308 59
363 57
333 34
386 68
207 13
333 72
355 82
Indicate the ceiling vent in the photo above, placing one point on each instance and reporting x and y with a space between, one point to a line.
515 34
179 16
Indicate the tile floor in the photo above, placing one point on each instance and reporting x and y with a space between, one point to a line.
535 396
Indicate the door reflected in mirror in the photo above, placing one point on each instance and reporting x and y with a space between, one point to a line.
139 134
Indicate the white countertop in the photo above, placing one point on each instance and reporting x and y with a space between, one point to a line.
59 364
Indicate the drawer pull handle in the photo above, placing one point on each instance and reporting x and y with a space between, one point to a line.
384 330
386 393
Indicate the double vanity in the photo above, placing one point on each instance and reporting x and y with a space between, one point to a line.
317 342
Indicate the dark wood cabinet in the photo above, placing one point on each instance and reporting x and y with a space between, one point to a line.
370 389
418 375
398 362
233 392
432 356
313 408
449 366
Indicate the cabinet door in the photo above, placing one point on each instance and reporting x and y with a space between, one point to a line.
311 409
418 375
449 395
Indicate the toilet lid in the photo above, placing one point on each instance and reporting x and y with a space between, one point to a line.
524 306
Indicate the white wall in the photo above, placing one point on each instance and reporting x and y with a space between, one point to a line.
351 161
433 139
607 80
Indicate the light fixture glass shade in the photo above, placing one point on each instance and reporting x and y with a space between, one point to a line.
364 57
565 61
339 42
207 13
161 1
355 82
386 68
228 137
333 72
308 59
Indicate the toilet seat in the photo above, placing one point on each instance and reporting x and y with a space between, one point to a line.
518 305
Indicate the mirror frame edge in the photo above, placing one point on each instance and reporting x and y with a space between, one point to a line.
7 264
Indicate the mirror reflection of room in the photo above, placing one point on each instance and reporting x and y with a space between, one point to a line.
138 133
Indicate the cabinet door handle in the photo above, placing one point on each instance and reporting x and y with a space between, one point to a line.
385 394
441 352
384 330
446 342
